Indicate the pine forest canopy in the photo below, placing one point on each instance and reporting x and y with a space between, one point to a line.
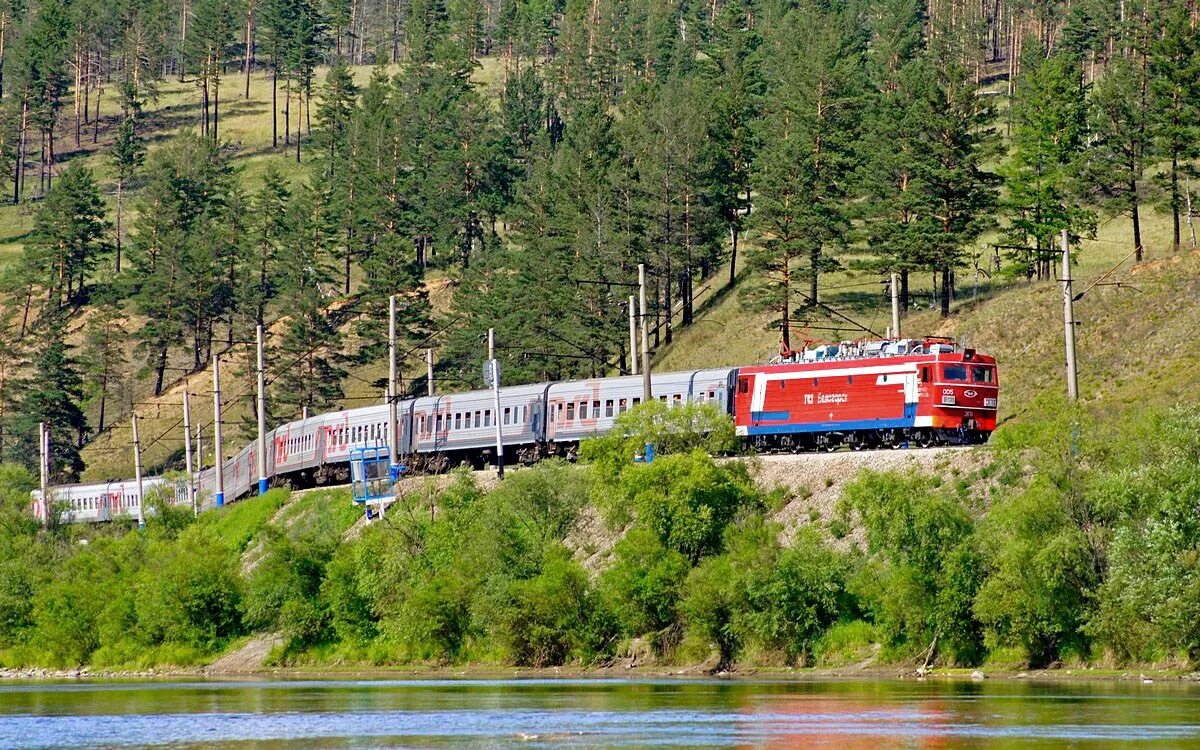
787 140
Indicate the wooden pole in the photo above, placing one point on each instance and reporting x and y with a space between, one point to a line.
137 473
187 452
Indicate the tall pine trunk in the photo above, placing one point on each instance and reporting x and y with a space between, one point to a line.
274 106
120 213
249 44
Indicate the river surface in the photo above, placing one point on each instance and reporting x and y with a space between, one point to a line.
533 713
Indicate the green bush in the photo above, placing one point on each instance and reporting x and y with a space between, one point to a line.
642 585
688 499
671 429
1041 568
191 593
920 581
548 619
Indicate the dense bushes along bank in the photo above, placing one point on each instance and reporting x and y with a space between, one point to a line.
1077 542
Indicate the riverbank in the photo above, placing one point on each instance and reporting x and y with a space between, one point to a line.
491 672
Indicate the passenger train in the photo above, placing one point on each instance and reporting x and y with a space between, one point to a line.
856 394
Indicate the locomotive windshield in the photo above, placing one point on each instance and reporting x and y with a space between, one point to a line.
982 375
954 372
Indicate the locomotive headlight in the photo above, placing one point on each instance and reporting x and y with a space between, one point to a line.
989 403
948 400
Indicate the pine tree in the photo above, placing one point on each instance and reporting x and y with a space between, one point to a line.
1049 116
964 192
12 364
814 88
335 111
210 32
127 155
103 356
68 234
1121 147
738 90
1174 69
52 395
307 361
175 275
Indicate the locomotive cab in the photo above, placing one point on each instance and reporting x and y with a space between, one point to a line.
958 395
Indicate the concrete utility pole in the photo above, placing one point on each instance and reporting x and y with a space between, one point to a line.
199 450
494 364
1069 320
895 305
392 437
429 368
137 473
219 485
262 416
646 393
187 452
633 346
44 467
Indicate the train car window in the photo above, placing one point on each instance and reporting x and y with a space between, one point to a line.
438 423
679 398
571 412
458 421
595 410
663 398
637 400
924 374
711 396
583 412
954 373
505 415
487 418
743 385
849 380
622 406
608 408
981 374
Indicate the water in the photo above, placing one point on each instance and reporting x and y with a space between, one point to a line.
598 713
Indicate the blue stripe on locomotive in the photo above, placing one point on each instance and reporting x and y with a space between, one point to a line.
854 424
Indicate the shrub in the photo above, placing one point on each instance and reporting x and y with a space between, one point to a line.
643 584
671 429
923 573
550 618
191 593
688 499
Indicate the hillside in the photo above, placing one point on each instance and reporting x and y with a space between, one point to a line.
1134 341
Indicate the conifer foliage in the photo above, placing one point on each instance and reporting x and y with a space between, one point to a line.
510 165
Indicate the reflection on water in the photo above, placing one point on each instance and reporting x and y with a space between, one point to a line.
590 713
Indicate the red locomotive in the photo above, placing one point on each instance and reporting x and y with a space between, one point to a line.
868 394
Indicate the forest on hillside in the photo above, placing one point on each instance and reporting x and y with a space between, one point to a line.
782 140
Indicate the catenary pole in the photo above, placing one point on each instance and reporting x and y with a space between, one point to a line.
494 364
262 414
1069 320
429 369
218 468
894 284
646 392
633 346
137 473
393 436
44 468
187 451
